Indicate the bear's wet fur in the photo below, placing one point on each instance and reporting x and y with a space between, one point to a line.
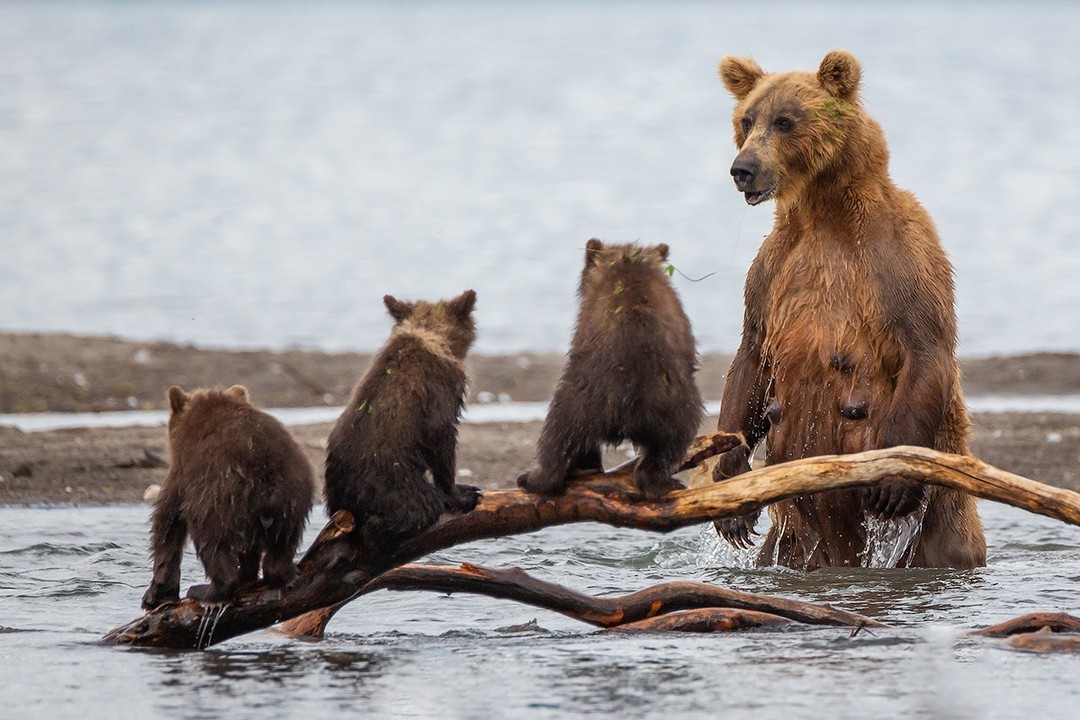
849 334
629 375
391 457
239 485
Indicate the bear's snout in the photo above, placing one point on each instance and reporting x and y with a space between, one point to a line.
744 171
756 185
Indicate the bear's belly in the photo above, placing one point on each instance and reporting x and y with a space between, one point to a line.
831 385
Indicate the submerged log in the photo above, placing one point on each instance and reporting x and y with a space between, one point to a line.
339 563
1038 632
1032 622
703 620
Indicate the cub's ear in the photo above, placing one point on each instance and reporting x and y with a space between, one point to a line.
398 310
177 398
593 249
463 304
662 251
237 392
840 74
740 75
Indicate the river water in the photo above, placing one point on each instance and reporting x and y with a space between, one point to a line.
68 575
261 173
248 174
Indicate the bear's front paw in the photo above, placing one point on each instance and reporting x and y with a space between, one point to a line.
732 463
464 498
737 531
158 594
540 483
895 498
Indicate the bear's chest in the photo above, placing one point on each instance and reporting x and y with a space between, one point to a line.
824 312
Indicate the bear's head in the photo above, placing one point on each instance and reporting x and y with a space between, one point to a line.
789 127
189 412
613 267
447 321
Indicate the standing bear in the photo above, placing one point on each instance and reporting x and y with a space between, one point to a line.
849 334
239 485
629 375
391 457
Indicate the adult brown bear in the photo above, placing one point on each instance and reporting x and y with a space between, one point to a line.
849 334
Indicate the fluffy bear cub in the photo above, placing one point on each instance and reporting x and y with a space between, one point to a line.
629 375
390 459
239 485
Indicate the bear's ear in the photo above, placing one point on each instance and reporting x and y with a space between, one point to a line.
177 399
398 310
840 74
463 304
593 250
237 392
740 75
662 251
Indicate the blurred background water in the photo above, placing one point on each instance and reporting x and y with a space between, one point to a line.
259 174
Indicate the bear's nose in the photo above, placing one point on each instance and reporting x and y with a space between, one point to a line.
743 172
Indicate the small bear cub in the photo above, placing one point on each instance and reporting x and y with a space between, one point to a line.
391 458
629 375
239 485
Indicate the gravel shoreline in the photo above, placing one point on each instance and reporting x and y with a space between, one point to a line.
67 373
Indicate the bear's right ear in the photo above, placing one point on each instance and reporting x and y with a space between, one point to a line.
398 310
593 249
840 74
177 398
463 304
237 392
740 75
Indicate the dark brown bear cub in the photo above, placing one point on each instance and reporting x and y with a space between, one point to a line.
401 424
239 485
629 375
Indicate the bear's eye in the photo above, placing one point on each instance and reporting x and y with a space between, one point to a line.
746 123
784 124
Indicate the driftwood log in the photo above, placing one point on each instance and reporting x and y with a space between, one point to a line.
607 612
338 565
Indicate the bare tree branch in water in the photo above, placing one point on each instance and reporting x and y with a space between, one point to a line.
339 564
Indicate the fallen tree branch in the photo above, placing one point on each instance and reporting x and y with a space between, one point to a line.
338 565
607 612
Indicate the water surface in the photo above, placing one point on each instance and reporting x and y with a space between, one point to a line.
68 575
261 173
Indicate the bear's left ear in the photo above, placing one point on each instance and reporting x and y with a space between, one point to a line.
662 250
740 75
463 304
237 392
840 74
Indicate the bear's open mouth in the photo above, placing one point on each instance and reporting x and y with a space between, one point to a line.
759 196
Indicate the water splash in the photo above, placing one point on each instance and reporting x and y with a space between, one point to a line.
892 542
208 624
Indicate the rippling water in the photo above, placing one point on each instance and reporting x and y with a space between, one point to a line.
68 575
261 173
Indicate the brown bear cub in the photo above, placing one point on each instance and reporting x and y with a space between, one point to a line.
849 334
239 485
629 375
400 427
